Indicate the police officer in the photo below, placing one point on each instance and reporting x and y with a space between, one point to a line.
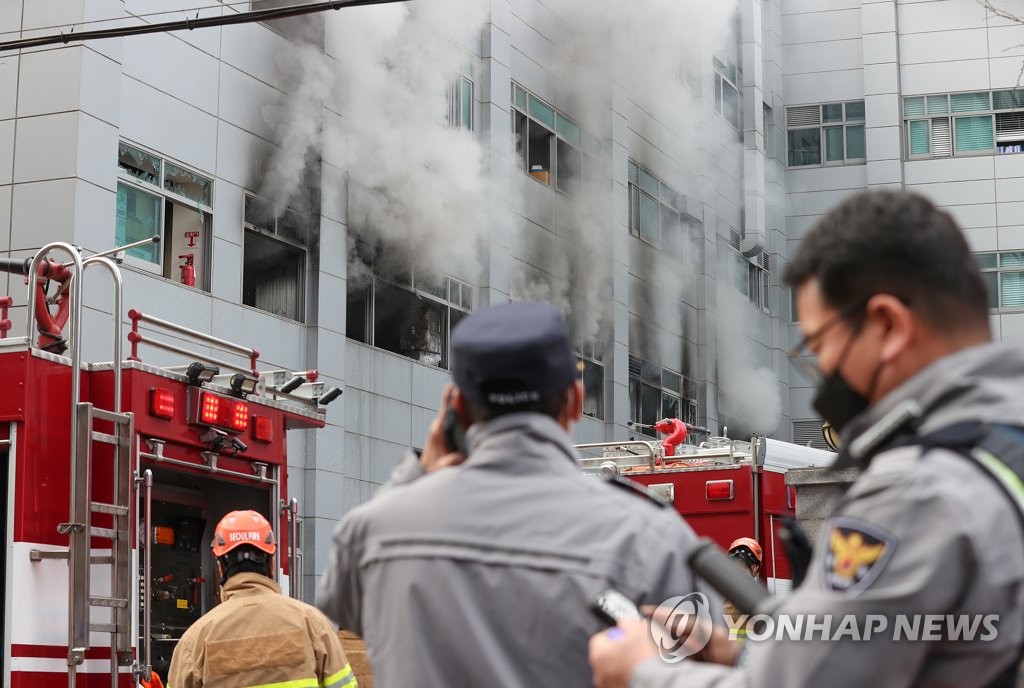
894 314
256 636
482 574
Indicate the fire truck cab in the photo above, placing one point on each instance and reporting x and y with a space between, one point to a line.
115 474
725 489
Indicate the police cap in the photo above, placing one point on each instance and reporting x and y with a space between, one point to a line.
513 354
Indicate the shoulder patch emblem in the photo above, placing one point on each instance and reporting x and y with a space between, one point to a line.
636 488
857 552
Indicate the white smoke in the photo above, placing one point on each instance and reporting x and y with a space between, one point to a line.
416 184
429 193
296 122
751 391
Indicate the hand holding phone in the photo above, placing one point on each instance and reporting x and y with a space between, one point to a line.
445 443
454 436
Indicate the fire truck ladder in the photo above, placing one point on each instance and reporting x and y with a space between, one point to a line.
79 529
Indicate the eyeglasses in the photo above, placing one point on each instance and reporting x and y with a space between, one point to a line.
805 360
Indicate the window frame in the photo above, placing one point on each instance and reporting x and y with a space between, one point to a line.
274 234
370 291
456 95
159 190
845 123
992 112
689 407
691 227
586 357
588 148
720 68
999 270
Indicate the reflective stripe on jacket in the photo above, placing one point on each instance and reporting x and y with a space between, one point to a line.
258 638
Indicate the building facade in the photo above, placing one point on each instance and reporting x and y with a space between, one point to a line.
348 186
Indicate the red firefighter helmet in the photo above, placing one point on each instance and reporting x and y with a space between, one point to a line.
243 528
750 545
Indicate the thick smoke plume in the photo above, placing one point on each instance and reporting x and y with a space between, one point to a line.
416 185
426 194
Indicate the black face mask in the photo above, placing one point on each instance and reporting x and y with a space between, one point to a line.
837 402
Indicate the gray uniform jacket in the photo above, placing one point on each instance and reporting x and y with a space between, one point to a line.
482 574
929 534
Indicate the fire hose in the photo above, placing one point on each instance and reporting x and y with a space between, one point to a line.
50 324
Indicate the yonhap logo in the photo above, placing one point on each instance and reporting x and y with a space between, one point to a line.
686 630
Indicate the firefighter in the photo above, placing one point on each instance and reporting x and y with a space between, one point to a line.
480 571
256 636
895 318
746 552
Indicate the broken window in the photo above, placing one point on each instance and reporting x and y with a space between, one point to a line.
411 315
156 197
274 259
549 146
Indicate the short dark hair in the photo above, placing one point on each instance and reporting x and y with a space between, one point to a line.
480 411
897 243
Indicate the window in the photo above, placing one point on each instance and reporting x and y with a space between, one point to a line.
659 215
728 82
943 125
752 278
460 103
593 381
411 314
656 393
980 122
549 146
759 282
1004 277
826 134
274 258
156 197
768 122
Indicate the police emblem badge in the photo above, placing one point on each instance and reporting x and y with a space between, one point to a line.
857 553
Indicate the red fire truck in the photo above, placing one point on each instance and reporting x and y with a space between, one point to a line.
726 489
114 475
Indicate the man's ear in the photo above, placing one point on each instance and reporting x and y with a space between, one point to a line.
898 323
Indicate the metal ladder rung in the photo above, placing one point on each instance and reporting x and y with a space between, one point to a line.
118 602
118 418
101 508
106 438
108 533
108 628
39 555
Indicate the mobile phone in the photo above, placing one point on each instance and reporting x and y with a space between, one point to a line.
611 606
454 435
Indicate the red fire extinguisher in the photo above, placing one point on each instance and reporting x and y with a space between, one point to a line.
188 270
